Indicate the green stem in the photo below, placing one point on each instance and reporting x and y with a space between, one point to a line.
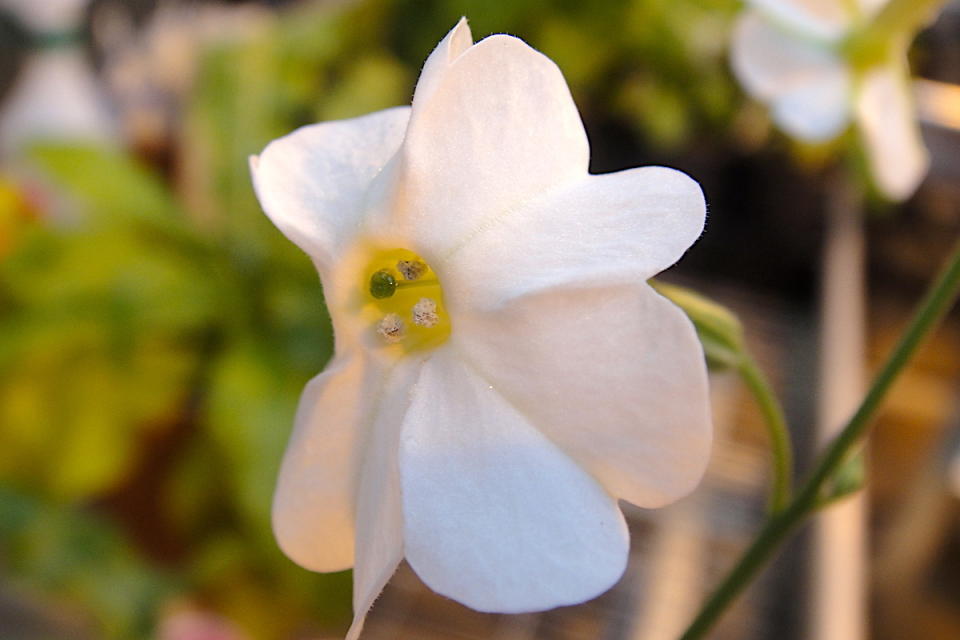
903 16
931 310
777 431
893 25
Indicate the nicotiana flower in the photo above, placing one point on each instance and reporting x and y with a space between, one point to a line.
502 371
791 54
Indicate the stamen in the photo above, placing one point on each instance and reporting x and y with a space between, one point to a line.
425 313
391 328
411 269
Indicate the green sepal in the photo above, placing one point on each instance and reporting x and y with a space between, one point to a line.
847 480
719 330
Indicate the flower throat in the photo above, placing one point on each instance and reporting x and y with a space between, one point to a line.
405 301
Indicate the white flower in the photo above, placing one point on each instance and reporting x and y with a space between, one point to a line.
56 95
787 53
489 447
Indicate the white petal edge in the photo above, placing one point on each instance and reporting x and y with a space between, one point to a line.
891 134
441 59
314 183
806 85
615 376
379 538
616 227
314 502
500 128
495 516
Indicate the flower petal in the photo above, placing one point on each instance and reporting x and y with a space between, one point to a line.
499 128
313 505
441 59
817 112
379 539
887 121
827 19
495 515
313 183
623 226
615 376
806 85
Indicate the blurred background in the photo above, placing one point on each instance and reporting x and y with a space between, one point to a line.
156 330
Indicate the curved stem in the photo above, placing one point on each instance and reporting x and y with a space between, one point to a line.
902 16
931 310
777 431
896 23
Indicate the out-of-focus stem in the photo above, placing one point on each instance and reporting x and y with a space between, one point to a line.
893 26
902 16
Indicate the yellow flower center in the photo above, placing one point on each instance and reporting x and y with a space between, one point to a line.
403 301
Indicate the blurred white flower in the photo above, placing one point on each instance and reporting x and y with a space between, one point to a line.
48 16
503 373
151 70
789 54
56 95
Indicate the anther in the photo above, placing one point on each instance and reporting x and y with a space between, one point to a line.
425 313
391 328
382 284
411 269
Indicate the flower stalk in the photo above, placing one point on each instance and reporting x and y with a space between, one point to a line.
777 431
809 499
891 28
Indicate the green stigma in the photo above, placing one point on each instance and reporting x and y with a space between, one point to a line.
382 284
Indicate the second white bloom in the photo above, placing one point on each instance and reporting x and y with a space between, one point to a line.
787 53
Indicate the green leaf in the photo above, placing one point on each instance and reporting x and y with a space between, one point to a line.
98 343
81 559
253 399
106 181
370 83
